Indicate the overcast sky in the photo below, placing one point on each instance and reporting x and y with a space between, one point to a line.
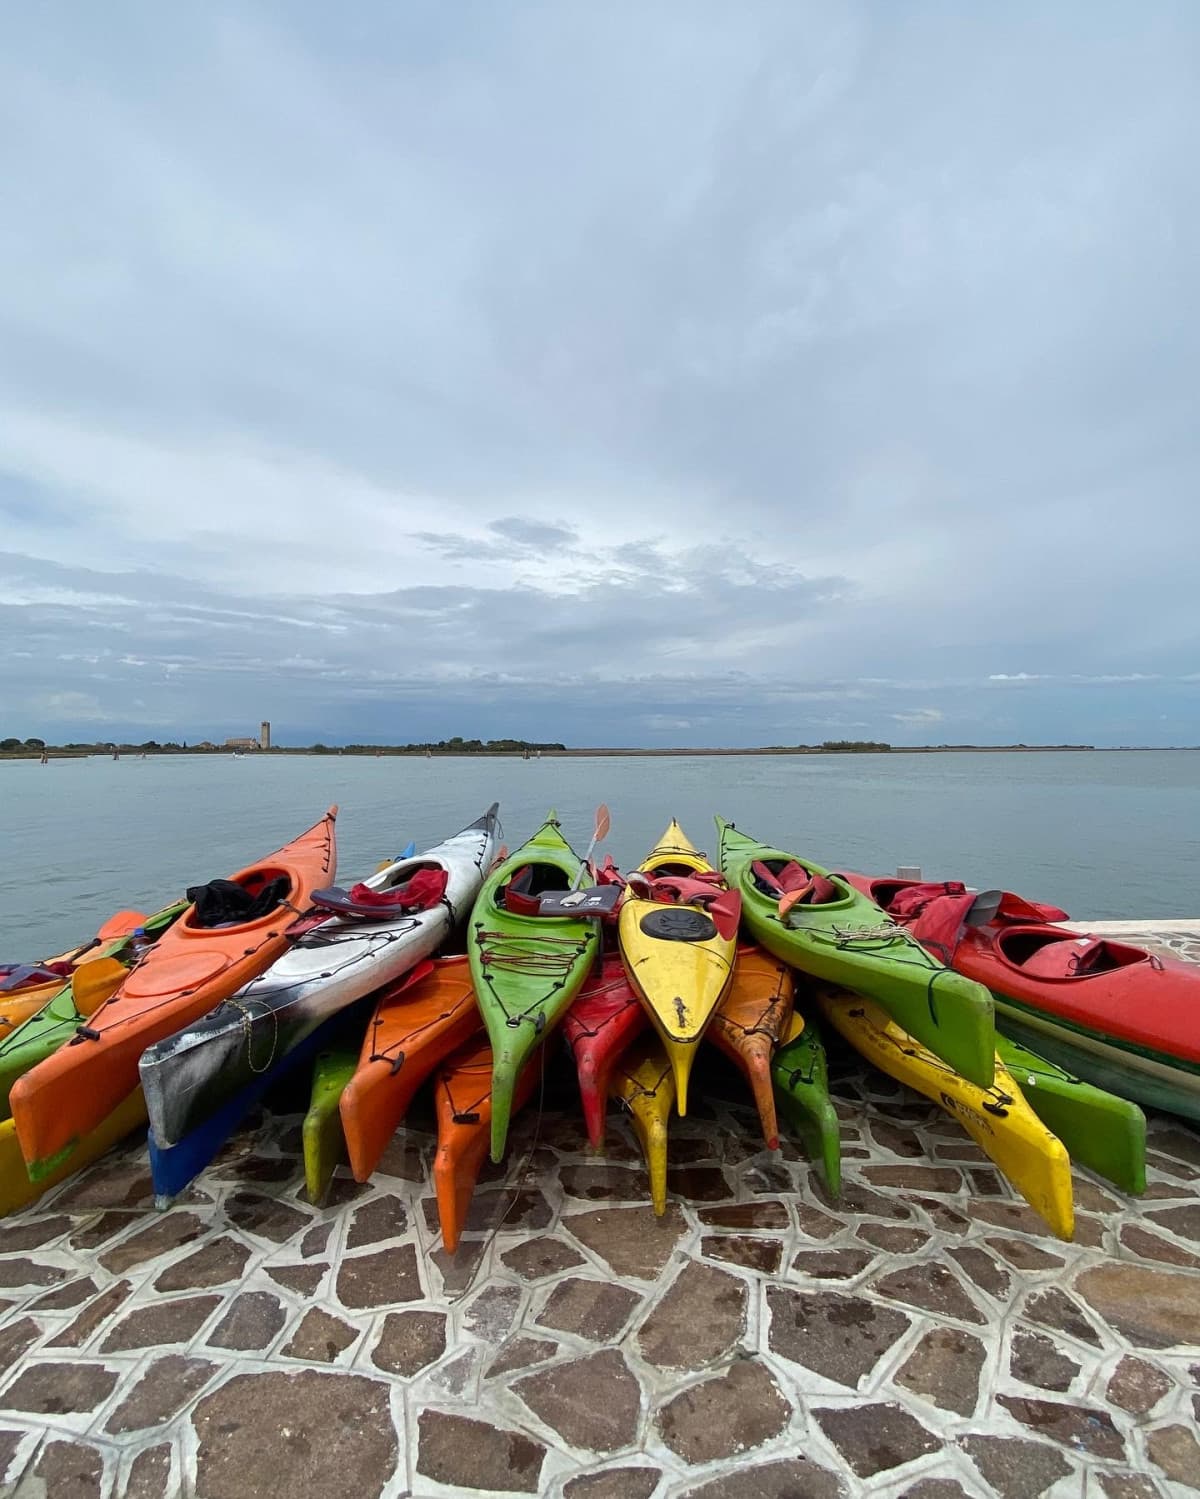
680 373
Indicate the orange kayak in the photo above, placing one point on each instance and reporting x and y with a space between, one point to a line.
191 968
750 1021
463 1095
415 1026
17 1006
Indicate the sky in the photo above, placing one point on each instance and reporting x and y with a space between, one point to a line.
623 374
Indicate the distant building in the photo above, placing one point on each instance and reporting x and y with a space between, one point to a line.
264 734
241 744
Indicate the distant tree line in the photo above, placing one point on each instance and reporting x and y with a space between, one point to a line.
854 747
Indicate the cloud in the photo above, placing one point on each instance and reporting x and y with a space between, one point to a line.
920 718
514 365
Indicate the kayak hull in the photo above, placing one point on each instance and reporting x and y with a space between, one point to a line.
188 1075
413 1030
850 942
463 1098
801 1077
603 1021
189 970
16 1188
1101 1131
750 1021
323 1141
998 1118
643 1080
175 1167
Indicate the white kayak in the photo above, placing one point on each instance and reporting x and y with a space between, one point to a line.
188 1076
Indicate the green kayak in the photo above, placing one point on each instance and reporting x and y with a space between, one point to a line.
831 931
57 1020
801 1081
324 1142
1101 1131
526 968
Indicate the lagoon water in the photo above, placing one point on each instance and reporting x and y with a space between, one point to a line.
1102 834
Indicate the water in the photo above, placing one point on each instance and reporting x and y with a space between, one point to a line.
1103 835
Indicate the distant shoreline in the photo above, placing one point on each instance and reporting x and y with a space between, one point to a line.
133 752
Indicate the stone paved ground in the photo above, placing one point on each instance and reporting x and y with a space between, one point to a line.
926 1337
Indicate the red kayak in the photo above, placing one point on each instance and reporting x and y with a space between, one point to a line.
602 1021
1119 1016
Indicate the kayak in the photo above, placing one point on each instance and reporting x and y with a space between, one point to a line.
644 1081
1123 1018
174 1167
414 904
749 1023
16 1189
417 1024
601 1023
801 1079
18 1005
191 968
323 1140
526 968
998 1118
834 932
96 977
679 956
463 1099
1105 1133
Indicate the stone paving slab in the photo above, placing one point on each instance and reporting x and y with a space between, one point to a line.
925 1337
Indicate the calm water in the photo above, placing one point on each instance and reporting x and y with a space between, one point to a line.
1104 835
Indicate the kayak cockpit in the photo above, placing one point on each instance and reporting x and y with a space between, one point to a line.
1050 953
778 875
522 893
250 896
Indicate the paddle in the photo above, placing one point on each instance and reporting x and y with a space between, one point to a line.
95 982
600 831
405 853
121 925
788 900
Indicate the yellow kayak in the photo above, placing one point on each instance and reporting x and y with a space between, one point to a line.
679 964
997 1118
17 1191
642 1080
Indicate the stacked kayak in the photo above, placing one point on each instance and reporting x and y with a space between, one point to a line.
677 931
997 1117
465 1111
1125 1019
411 906
800 1075
819 923
526 968
95 976
644 1082
751 1019
193 966
416 1025
598 1027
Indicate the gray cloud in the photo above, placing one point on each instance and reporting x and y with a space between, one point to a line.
794 349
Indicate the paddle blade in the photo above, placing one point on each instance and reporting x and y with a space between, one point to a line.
121 925
95 982
726 913
789 900
603 823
